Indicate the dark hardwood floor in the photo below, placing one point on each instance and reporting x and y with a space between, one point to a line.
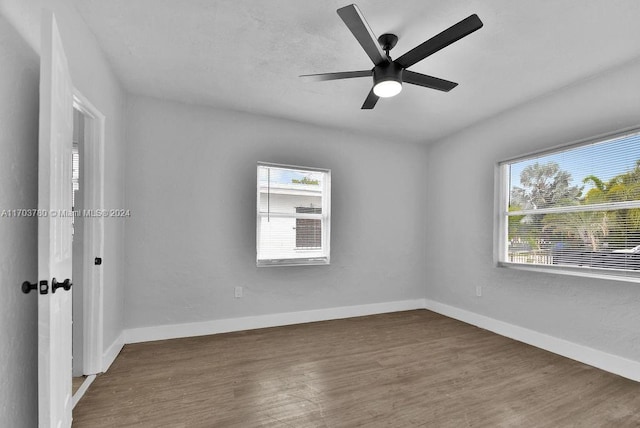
403 369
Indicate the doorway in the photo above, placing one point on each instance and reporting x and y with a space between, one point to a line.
77 178
88 244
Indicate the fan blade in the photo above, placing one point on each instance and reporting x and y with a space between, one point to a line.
371 101
427 81
336 76
440 41
352 16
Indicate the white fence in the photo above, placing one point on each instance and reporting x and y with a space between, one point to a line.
538 257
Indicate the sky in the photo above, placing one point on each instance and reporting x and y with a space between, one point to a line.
284 176
605 160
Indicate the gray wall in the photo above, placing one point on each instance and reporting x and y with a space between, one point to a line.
19 65
191 187
601 314
18 237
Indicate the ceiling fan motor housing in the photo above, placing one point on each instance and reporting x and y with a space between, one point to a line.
388 71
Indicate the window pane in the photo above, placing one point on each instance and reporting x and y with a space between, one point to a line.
607 171
282 190
565 208
602 239
279 239
293 215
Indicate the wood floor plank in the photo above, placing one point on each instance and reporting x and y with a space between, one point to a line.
404 369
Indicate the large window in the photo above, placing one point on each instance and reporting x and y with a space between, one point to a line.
575 209
293 215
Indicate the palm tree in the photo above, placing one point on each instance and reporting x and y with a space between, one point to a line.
588 227
621 188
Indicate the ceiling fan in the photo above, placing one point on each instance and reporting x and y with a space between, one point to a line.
388 74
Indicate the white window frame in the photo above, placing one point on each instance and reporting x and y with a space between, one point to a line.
325 218
502 191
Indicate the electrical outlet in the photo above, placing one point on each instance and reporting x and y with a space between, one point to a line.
479 290
238 292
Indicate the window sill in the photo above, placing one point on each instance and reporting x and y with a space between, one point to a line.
585 272
315 261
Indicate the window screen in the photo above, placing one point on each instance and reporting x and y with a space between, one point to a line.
293 215
578 207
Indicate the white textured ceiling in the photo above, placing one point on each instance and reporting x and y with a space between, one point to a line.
247 55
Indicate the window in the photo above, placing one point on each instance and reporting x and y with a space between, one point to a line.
75 173
308 230
574 210
293 215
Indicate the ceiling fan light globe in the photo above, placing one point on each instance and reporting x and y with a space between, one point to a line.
387 88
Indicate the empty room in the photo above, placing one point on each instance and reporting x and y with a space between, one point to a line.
219 213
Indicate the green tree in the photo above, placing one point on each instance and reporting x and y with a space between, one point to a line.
625 224
542 186
586 227
305 180
515 227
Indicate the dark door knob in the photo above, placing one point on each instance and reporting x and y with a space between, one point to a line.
27 287
66 285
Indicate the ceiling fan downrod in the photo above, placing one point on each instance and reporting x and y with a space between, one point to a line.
387 42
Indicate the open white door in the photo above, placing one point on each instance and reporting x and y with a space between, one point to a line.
54 230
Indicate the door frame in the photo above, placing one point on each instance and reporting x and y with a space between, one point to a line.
92 275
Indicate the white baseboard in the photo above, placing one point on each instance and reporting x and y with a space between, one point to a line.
584 354
146 334
612 363
83 388
109 356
